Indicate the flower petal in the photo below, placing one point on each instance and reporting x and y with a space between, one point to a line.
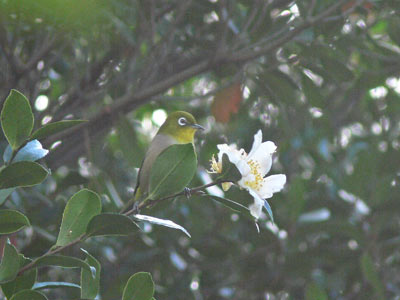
263 155
233 153
256 207
272 184
257 142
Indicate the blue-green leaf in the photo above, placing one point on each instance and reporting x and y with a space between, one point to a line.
32 151
269 210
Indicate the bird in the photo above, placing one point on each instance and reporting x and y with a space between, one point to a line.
179 128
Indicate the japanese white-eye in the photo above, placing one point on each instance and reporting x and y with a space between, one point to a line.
178 128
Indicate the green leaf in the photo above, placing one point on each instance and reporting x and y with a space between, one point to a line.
232 205
172 171
32 151
313 292
22 174
90 285
111 224
29 294
229 171
53 128
4 194
12 221
64 262
16 119
372 276
162 222
80 209
140 286
9 264
54 284
24 281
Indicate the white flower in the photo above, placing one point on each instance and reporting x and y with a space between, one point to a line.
253 167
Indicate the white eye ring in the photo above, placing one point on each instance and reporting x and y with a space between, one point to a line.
182 121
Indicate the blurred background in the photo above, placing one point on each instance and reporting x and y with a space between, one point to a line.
320 78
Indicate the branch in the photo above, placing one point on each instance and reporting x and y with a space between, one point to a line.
142 205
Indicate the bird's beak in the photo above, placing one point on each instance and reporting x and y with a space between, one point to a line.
197 126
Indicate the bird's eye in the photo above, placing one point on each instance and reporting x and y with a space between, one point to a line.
182 121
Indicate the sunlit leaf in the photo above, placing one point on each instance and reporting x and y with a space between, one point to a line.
54 284
162 222
32 151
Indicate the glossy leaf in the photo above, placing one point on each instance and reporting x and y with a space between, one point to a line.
90 285
55 127
64 262
80 209
16 119
172 171
32 151
140 286
111 224
22 174
162 222
29 294
10 264
12 221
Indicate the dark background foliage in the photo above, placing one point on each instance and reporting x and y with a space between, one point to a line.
320 78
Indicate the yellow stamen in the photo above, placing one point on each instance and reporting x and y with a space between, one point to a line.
257 183
216 167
